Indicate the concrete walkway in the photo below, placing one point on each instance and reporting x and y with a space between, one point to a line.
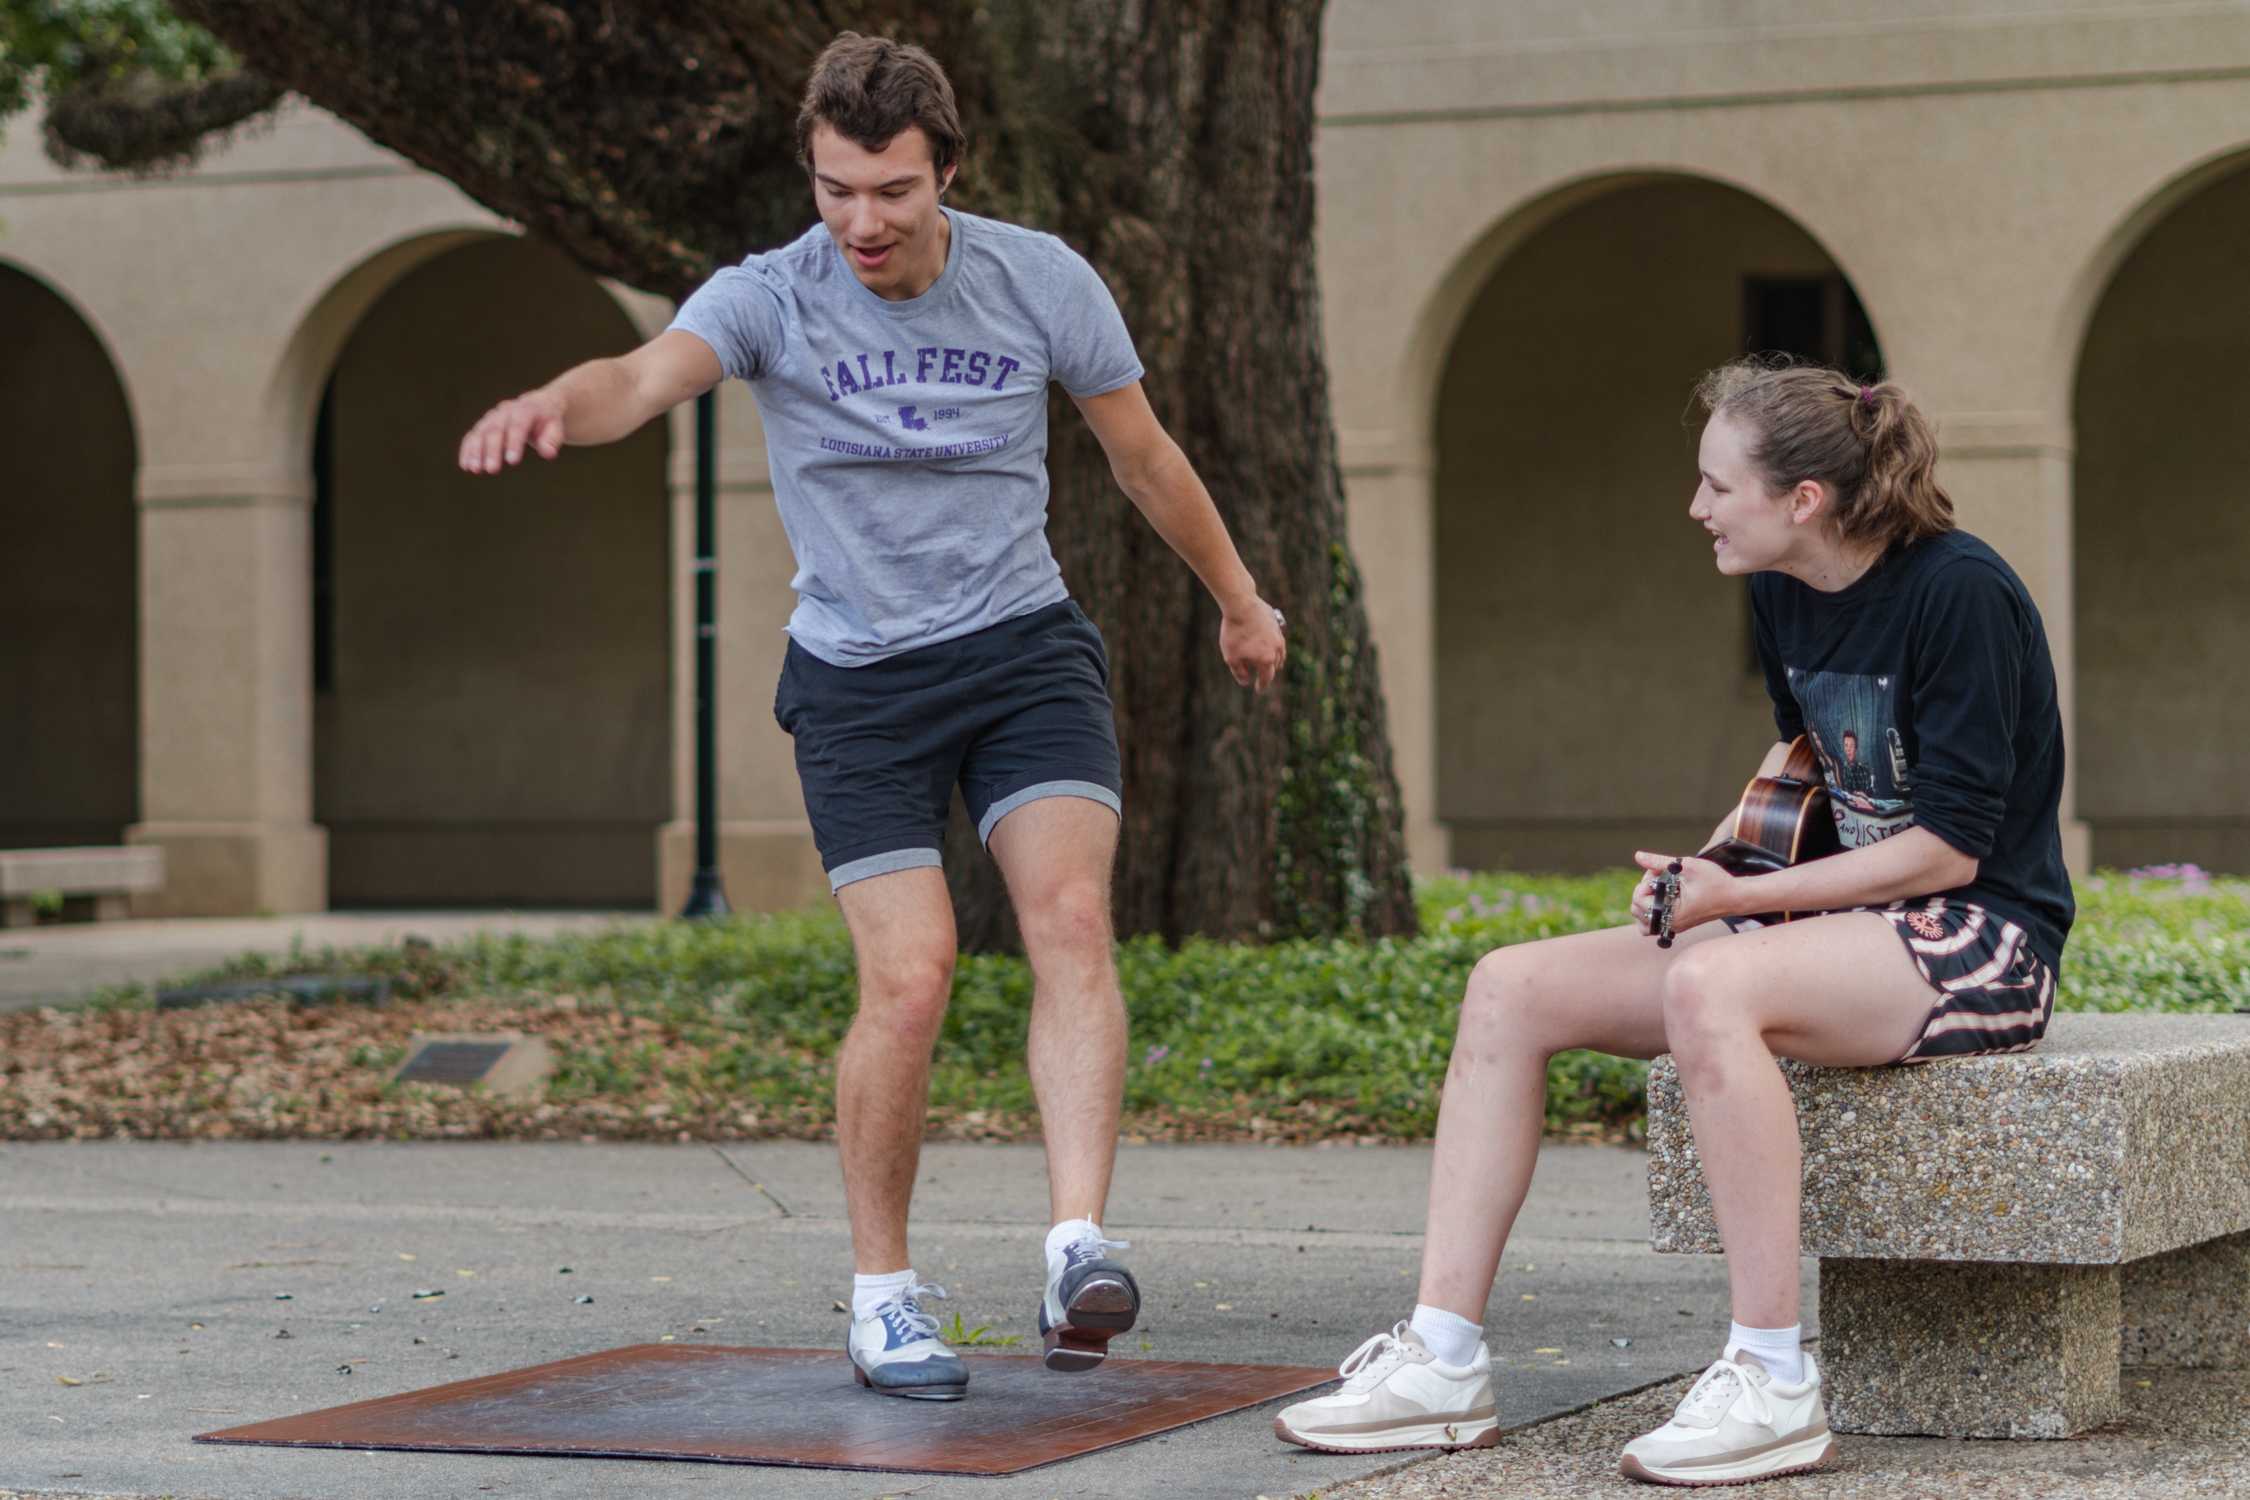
149 1273
70 961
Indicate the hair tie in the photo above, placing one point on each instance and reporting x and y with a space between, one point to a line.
1867 395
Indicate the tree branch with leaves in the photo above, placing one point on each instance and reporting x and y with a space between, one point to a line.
128 85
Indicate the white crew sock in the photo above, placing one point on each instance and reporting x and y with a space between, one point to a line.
1068 1232
1780 1350
871 1292
1451 1337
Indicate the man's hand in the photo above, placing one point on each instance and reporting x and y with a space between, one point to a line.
534 418
1251 638
599 401
1156 476
1706 891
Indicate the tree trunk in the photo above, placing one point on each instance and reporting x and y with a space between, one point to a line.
1171 142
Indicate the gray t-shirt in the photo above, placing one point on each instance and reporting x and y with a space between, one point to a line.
908 440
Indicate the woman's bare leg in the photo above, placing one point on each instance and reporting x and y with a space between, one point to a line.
1840 991
1523 1005
1603 990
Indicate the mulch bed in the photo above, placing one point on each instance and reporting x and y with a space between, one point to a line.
278 1070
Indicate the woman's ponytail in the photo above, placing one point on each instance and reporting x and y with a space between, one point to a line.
1899 497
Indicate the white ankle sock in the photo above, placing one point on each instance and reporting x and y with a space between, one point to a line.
1451 1337
1780 1350
1068 1232
871 1292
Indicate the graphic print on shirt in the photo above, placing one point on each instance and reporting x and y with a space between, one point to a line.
1852 719
861 382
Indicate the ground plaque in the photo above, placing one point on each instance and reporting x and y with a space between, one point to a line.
796 1407
503 1064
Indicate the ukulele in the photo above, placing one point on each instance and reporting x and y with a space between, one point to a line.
1782 820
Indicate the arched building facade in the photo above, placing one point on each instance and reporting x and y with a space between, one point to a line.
356 675
1986 180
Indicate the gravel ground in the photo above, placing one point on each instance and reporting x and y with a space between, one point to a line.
2184 1433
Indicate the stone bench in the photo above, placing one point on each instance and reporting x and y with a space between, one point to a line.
1998 1234
97 881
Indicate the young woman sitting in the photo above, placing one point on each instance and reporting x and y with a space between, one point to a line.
1907 649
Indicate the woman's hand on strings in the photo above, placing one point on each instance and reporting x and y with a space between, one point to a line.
1707 892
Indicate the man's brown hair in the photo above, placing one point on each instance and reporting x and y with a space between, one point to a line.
869 88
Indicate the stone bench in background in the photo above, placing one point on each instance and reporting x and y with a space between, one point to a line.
1998 1234
97 881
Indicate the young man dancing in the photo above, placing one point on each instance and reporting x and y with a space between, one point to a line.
900 353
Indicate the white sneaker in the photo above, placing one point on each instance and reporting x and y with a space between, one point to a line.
895 1350
1736 1423
1397 1394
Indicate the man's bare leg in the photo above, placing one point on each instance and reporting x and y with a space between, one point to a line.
1056 854
902 933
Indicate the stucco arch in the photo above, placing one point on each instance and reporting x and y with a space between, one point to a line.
57 286
1473 262
2083 294
290 394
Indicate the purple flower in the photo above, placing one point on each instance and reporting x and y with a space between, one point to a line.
2191 876
1155 1056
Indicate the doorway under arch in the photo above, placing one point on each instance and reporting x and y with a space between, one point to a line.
2161 521
1596 684
69 579
492 654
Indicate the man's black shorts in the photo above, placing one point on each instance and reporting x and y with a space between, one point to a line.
1014 712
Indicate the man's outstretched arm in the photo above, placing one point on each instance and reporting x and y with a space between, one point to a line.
596 402
1158 478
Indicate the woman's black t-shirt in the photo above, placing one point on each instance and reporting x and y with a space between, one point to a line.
1929 695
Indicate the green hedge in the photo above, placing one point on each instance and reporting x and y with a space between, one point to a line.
1296 1039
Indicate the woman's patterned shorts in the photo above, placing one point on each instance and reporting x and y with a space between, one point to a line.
1995 994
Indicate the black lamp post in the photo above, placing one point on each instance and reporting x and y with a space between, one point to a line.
708 898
